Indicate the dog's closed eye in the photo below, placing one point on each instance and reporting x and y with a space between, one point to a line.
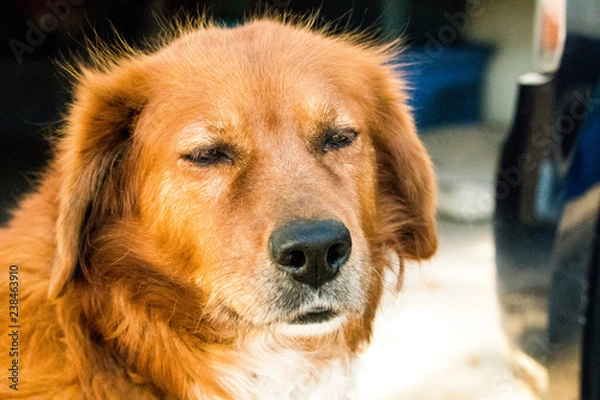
335 139
215 154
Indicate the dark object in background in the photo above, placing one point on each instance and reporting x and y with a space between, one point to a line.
523 248
547 225
423 22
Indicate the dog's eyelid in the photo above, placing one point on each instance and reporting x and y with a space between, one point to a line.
337 138
213 154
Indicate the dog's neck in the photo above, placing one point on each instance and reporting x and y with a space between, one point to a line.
269 368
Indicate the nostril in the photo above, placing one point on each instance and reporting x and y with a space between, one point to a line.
337 255
294 259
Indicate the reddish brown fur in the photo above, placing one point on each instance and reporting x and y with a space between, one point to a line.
143 276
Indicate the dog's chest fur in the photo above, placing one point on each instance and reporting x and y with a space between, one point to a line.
284 374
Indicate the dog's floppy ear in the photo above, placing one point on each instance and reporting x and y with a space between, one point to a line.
406 178
96 143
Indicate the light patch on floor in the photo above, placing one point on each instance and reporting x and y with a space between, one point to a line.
441 339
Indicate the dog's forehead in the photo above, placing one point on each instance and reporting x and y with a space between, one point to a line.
231 78
263 77
264 61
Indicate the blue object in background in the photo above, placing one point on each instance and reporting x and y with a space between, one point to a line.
445 83
584 171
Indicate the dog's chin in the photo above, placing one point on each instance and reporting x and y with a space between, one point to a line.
318 322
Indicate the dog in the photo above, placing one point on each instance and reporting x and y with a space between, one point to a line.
217 220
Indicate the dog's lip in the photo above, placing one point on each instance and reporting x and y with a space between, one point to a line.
315 316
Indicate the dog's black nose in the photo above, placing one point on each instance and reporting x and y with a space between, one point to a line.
311 251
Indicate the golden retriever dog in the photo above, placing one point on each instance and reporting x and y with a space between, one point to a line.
217 220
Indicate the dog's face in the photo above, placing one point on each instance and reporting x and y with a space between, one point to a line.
267 168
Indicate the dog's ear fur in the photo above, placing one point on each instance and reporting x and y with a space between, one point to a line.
406 179
90 161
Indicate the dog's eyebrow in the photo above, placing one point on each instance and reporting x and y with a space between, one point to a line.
200 134
199 127
337 122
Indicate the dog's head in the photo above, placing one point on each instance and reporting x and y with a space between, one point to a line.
266 169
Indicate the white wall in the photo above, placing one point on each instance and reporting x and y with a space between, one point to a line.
508 24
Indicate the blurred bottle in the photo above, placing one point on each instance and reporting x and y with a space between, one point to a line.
550 31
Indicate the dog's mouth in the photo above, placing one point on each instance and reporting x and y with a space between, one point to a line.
315 316
317 320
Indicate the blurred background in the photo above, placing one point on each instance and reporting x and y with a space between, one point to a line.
505 98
